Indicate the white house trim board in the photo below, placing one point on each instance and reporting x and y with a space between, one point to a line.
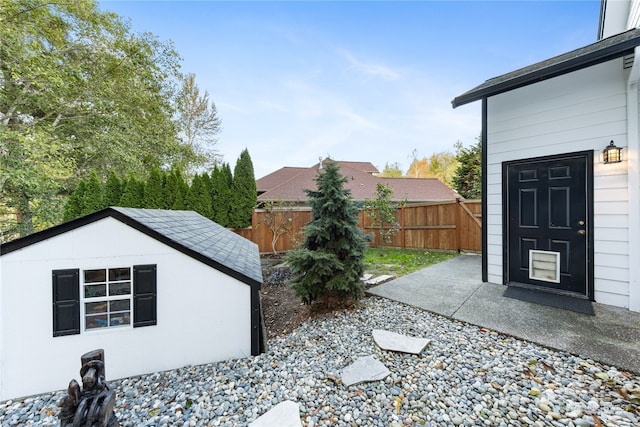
203 314
633 164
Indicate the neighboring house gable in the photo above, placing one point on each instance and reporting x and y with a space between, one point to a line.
547 194
185 291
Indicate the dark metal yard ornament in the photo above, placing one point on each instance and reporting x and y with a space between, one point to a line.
93 405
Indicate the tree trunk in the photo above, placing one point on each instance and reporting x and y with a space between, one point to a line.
24 217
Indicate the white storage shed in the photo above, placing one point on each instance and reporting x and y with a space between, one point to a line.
156 289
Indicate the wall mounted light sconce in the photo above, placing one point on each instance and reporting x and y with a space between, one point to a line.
612 154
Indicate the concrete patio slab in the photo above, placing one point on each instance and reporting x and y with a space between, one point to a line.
392 341
454 289
364 369
449 285
284 414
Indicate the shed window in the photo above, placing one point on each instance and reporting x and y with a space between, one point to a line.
107 298
103 298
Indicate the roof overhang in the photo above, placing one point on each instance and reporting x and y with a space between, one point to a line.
604 50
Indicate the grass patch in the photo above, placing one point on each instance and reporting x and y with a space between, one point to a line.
400 262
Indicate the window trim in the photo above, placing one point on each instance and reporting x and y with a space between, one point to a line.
143 299
107 298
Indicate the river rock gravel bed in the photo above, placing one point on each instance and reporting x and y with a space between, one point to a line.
466 376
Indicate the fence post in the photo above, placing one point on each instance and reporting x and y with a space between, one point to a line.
458 224
403 243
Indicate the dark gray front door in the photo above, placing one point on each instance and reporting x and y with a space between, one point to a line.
548 212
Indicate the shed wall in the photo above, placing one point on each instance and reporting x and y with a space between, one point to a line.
203 315
565 114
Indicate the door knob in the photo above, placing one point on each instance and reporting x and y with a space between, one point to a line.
582 232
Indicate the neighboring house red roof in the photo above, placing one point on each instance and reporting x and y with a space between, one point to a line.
274 178
360 180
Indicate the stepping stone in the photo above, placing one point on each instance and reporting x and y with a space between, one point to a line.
366 277
284 414
396 342
364 369
378 279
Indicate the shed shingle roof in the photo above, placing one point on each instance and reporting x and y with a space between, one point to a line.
186 231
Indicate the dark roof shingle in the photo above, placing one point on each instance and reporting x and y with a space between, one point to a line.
186 231
362 184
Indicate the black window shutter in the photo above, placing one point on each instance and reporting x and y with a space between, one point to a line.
66 302
144 295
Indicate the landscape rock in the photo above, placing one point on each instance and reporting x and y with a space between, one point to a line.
364 369
392 341
284 414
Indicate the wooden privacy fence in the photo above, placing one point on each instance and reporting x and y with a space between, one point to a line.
448 225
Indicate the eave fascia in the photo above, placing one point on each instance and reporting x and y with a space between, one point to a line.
564 67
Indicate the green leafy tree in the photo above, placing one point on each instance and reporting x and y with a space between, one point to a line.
74 207
383 212
439 165
392 170
79 92
132 193
198 125
199 197
154 190
468 177
244 191
330 261
92 197
112 190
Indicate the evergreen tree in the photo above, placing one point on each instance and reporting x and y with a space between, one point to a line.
199 198
468 177
180 189
112 190
153 190
132 193
73 207
330 262
92 197
173 182
221 180
244 192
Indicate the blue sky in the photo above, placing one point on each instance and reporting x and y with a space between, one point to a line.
357 81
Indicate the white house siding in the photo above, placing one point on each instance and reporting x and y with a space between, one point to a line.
617 16
202 315
579 111
633 19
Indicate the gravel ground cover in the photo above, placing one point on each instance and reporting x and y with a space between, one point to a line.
466 376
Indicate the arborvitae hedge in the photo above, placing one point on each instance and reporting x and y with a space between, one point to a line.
132 193
153 190
211 196
112 190
198 197
245 196
73 207
92 197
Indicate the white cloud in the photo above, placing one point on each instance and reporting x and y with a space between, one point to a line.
370 69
